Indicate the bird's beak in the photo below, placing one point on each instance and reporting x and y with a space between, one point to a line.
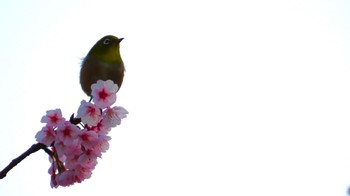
119 40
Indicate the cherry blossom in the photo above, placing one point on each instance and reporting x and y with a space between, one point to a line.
104 93
53 118
89 113
89 139
113 116
76 148
67 133
66 178
89 158
47 135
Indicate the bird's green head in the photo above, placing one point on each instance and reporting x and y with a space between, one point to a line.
107 49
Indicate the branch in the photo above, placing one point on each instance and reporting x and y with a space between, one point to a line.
14 162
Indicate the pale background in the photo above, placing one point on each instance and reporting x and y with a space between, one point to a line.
227 97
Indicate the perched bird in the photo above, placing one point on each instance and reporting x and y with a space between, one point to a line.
103 62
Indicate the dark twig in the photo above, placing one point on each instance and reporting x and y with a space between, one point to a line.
14 162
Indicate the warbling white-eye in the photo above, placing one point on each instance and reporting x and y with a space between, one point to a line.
103 62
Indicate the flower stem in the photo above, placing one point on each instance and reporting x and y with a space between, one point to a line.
14 162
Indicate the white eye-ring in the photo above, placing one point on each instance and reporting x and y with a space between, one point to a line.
106 41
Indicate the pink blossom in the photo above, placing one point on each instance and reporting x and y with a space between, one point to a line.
53 118
65 152
70 177
89 113
82 173
52 169
72 163
89 158
60 149
88 139
46 136
100 128
75 150
66 178
104 93
113 116
53 182
67 133
103 144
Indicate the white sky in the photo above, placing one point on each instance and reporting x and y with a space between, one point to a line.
225 97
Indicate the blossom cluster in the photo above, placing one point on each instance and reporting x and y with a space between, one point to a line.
76 147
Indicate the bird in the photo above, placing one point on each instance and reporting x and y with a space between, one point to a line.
103 62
